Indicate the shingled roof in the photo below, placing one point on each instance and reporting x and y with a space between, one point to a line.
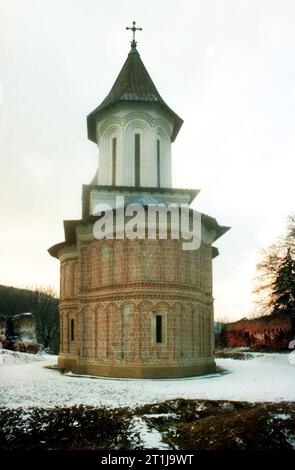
133 84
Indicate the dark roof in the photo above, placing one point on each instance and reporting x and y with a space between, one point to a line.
133 84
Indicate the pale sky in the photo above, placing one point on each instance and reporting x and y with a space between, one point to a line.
227 67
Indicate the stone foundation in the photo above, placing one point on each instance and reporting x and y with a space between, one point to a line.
137 371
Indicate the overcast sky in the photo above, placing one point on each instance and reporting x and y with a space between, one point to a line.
227 67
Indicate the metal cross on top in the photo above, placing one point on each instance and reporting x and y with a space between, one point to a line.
133 29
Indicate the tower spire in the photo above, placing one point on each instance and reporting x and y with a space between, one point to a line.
133 28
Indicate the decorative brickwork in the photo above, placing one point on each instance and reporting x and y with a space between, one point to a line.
123 285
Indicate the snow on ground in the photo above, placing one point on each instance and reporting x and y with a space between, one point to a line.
14 357
266 377
150 437
290 439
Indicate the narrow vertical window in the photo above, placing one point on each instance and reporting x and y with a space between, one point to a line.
114 160
158 164
137 159
159 329
72 330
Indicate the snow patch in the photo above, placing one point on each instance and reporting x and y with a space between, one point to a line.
290 438
11 358
226 406
282 416
150 437
200 407
161 415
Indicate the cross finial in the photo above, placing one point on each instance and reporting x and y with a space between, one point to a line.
133 29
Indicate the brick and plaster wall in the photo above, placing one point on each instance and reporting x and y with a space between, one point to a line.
275 332
111 293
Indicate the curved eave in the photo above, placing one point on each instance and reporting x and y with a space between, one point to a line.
53 250
212 224
222 229
95 115
215 252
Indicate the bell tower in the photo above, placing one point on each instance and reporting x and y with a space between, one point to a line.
135 307
133 128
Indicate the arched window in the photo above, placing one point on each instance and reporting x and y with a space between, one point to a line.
158 163
114 160
159 332
137 159
72 329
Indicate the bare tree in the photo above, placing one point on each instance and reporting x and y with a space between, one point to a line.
45 311
289 237
267 270
218 329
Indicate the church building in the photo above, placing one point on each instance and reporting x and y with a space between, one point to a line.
135 307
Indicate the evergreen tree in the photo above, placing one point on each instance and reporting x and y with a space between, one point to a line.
274 280
283 293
